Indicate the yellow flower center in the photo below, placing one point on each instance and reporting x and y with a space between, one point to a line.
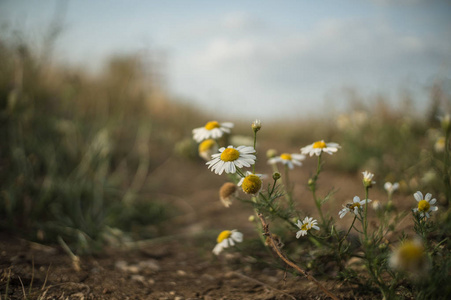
411 252
423 205
224 235
206 145
251 184
211 125
304 227
354 205
285 156
230 154
319 144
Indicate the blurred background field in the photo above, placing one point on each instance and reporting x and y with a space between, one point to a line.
82 154
99 154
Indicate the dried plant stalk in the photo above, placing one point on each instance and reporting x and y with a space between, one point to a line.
276 248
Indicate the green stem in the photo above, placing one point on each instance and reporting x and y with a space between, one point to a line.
240 172
365 217
313 189
346 235
255 144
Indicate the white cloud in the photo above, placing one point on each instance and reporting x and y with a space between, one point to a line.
279 69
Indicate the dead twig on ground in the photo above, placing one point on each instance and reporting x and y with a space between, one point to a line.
288 261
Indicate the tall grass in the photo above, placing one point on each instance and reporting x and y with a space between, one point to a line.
75 148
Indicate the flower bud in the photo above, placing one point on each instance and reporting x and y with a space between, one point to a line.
256 125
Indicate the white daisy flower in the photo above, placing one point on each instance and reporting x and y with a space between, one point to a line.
410 257
252 183
354 207
305 226
391 188
424 204
319 147
288 159
226 239
368 179
211 130
231 158
207 148
440 144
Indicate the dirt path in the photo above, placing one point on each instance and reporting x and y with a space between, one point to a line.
178 266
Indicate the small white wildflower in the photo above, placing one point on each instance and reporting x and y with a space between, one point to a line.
391 188
230 158
288 159
226 239
439 145
368 179
256 125
354 207
424 204
319 147
211 130
305 226
410 257
207 148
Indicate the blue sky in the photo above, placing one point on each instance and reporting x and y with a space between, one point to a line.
261 58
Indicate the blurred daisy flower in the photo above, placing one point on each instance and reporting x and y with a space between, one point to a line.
368 179
230 158
227 191
319 147
252 183
354 207
424 204
211 130
391 188
288 159
439 145
409 257
226 239
207 148
305 226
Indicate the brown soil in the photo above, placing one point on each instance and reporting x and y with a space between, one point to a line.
180 265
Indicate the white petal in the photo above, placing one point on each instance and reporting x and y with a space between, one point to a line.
433 201
237 236
217 249
428 197
418 196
